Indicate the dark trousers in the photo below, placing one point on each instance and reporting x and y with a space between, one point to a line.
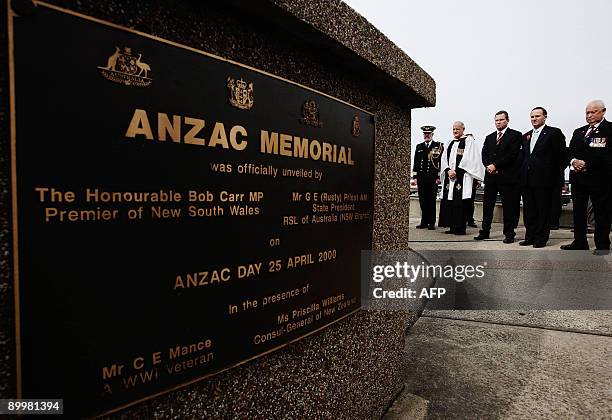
591 214
428 190
458 210
536 213
555 211
469 216
511 205
600 197
444 217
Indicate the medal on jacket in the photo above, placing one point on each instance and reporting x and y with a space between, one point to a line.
434 155
598 142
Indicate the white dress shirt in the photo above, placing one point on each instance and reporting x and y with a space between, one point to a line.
534 137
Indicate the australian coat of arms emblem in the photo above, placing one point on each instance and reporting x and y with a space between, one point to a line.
124 67
310 114
240 94
356 128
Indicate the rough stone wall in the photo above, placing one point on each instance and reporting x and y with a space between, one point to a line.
7 310
347 371
366 41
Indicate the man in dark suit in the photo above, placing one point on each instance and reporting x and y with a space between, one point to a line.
501 158
590 154
427 168
556 200
469 216
543 152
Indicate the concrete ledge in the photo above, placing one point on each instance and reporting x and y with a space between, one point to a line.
415 212
407 406
345 27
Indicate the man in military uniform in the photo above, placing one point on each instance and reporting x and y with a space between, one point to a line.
426 169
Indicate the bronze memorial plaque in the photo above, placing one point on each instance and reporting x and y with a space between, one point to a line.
177 214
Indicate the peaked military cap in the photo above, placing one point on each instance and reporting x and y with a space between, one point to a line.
428 128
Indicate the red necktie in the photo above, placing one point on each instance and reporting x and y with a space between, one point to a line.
499 136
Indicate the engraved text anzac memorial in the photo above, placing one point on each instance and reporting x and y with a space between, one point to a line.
177 213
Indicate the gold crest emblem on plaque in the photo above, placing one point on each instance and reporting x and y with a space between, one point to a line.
310 114
356 129
240 94
125 68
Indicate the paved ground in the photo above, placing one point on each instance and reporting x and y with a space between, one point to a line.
436 239
469 370
514 363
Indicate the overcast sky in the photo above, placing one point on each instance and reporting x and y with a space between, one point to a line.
491 55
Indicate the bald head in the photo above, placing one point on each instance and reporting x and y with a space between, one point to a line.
598 103
458 129
595 111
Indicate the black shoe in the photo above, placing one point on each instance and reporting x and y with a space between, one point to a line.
539 245
508 240
554 227
421 226
575 247
449 232
472 224
482 236
431 227
603 251
525 243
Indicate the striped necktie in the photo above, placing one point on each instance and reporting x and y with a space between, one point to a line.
590 132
